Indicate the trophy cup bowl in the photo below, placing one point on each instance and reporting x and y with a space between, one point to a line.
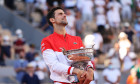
79 59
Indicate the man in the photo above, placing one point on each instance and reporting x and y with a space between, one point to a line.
30 55
137 29
2 55
111 74
20 66
19 43
51 48
30 77
39 66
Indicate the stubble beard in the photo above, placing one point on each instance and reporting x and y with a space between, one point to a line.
64 23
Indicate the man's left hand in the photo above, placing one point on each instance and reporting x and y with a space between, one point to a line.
89 75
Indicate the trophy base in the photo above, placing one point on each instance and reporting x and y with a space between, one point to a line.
73 79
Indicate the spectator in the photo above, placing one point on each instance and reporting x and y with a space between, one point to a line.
137 2
10 4
70 4
129 31
30 77
52 3
20 66
126 9
137 29
128 61
70 29
108 36
132 79
44 24
2 55
113 55
40 67
19 42
111 75
41 4
30 54
87 10
29 8
100 3
7 46
79 4
124 45
113 18
115 4
100 17
79 25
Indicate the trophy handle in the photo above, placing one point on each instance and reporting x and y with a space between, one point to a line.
63 50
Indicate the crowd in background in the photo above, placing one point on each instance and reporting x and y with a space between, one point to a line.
112 25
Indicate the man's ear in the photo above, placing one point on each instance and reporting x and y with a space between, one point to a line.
52 20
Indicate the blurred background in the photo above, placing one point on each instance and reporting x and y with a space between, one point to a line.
112 25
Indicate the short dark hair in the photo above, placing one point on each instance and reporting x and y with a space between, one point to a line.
51 14
32 45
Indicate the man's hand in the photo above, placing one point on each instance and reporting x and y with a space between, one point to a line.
89 75
79 73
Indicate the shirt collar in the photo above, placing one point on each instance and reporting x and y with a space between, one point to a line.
60 35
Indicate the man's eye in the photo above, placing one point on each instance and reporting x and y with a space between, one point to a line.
60 13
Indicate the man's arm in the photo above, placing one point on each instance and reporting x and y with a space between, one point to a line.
54 65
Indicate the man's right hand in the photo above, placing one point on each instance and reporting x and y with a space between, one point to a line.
79 73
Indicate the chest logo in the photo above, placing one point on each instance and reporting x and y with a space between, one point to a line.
74 42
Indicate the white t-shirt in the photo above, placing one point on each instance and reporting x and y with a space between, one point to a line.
41 65
100 19
79 3
111 74
87 6
126 2
113 16
70 3
127 63
71 20
69 28
114 4
100 2
97 40
124 44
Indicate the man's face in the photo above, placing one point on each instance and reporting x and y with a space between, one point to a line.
22 54
60 17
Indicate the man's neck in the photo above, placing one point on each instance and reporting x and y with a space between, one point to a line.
60 30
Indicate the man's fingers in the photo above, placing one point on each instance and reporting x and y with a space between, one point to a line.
86 81
84 74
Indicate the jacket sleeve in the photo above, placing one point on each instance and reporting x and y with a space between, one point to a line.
51 59
53 63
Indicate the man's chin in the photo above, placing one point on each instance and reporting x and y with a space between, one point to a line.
64 23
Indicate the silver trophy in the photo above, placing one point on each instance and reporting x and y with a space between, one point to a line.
78 58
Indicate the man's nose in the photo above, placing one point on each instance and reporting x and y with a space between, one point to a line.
64 15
